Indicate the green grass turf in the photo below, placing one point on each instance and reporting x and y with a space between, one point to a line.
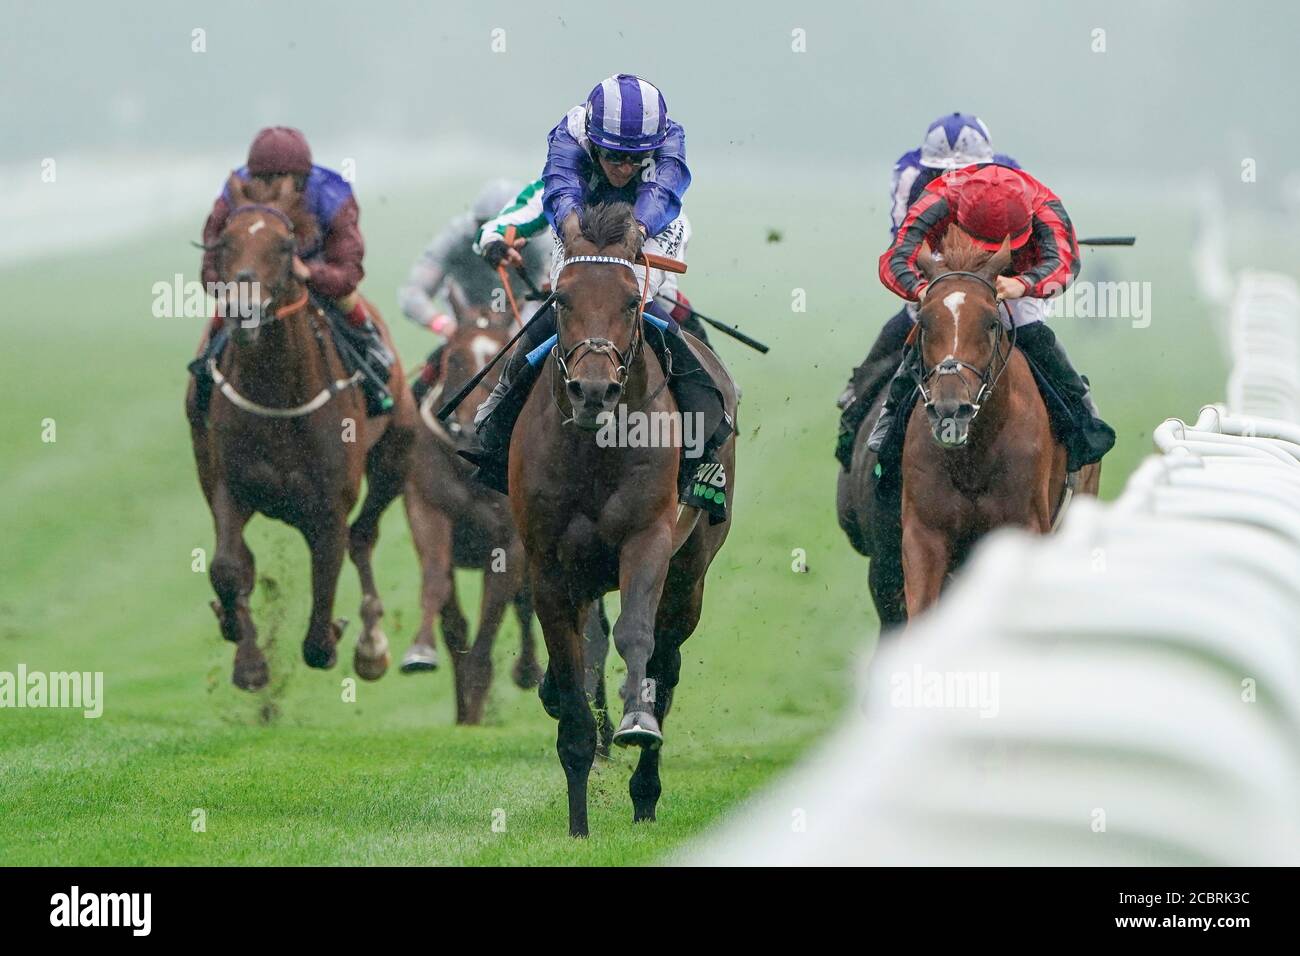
98 529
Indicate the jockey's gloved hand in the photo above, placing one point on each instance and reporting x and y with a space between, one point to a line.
499 251
442 324
495 252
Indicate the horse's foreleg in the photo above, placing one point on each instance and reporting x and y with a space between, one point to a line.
431 535
385 475
232 575
326 544
498 588
563 694
596 636
644 787
642 569
927 555
527 671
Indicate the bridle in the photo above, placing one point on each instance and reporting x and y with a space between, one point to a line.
619 359
283 282
951 365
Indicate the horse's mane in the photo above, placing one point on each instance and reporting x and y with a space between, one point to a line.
611 224
960 253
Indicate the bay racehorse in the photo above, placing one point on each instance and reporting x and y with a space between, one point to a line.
595 519
458 523
287 436
978 451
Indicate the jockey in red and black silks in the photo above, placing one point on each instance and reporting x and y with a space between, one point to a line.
993 204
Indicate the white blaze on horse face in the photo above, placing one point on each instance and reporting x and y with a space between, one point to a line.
954 301
483 347
256 226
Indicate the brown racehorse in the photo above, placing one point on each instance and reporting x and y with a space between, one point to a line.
979 452
594 519
287 436
457 522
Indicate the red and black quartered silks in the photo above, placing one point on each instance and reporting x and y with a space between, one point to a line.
1047 263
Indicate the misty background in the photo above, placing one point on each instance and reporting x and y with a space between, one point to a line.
1182 87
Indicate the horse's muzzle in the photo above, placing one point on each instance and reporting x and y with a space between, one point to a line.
950 422
591 397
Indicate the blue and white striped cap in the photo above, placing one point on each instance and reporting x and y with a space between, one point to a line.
626 113
956 140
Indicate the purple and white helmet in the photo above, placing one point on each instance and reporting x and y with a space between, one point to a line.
956 140
627 114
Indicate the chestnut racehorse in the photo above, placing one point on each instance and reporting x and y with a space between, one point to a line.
979 452
457 522
287 436
594 519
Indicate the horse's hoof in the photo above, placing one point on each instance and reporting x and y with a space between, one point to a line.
320 657
371 668
639 729
420 657
251 677
526 675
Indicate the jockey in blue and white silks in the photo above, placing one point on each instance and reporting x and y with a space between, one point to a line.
953 141
618 146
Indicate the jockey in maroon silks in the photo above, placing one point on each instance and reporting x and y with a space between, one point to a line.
992 203
330 265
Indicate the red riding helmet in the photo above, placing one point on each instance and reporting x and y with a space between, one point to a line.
992 204
279 149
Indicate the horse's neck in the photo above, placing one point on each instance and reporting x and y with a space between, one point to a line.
287 365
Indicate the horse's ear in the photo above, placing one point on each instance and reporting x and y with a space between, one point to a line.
285 192
998 262
235 186
570 229
459 304
925 261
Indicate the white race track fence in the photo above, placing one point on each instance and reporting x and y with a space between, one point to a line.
1124 692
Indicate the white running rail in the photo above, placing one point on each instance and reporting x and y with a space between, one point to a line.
1126 692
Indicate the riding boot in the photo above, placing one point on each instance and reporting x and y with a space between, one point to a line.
364 349
899 387
1090 437
702 482
495 419
428 374
854 402
216 344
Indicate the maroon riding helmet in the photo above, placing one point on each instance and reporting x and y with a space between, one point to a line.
279 149
992 204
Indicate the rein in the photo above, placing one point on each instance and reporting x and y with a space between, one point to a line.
951 365
296 307
243 403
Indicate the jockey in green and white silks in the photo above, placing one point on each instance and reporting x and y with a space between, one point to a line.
452 261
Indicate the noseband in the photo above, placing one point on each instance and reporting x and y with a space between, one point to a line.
951 365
